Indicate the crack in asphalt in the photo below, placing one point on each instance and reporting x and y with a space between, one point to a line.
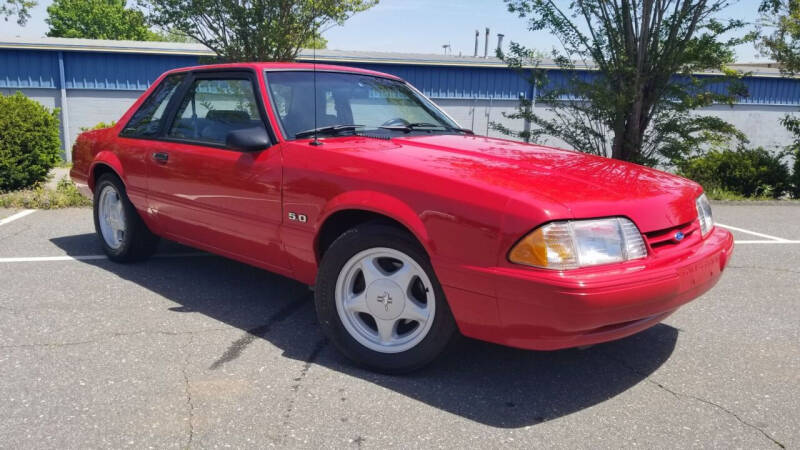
188 393
680 396
318 347
17 233
104 337
238 346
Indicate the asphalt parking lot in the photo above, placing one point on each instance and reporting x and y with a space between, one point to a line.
193 350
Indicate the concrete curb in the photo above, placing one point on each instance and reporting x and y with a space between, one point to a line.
756 202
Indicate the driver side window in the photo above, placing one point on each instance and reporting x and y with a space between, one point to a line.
212 108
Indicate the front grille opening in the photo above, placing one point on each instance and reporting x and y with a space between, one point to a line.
665 238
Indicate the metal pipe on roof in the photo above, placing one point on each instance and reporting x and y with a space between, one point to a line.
500 42
477 35
486 44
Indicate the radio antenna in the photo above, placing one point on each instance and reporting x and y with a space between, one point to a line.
316 142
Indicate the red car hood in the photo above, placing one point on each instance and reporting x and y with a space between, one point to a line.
588 186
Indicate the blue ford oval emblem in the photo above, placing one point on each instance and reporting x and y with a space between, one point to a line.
679 236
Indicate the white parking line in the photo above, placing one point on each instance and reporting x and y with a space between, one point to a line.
91 257
16 216
774 238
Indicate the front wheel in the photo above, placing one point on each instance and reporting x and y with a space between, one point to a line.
379 301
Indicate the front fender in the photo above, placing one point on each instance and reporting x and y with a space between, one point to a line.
300 244
380 203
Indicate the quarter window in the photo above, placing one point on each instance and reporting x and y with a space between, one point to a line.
146 121
213 108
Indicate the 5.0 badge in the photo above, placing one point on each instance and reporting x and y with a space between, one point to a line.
298 217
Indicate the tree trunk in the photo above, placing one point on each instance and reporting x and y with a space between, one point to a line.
628 141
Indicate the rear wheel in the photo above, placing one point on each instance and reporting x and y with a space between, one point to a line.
122 233
379 301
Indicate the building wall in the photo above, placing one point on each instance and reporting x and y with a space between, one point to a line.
89 107
478 114
101 85
47 97
86 107
760 123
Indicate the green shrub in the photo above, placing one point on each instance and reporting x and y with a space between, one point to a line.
747 172
100 126
29 142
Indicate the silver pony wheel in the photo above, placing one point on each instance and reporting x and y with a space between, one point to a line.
111 217
385 300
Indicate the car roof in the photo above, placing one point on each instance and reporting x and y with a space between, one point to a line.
285 66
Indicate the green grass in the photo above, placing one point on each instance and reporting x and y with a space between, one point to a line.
726 195
65 195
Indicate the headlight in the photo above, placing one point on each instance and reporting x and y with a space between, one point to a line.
580 243
704 214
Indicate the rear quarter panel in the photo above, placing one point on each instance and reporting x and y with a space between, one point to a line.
85 158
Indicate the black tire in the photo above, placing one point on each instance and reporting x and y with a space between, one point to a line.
138 242
350 243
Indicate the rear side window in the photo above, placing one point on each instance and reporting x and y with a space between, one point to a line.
213 108
147 119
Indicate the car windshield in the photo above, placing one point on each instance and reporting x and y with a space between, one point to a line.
350 103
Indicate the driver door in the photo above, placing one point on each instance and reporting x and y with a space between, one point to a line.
208 195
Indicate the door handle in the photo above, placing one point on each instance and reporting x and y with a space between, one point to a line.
161 157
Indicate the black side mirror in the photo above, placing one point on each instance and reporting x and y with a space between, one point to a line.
248 139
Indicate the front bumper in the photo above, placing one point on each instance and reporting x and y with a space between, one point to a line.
547 310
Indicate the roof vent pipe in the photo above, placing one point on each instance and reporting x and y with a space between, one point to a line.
477 35
486 44
500 43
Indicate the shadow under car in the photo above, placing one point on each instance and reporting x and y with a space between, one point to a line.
491 384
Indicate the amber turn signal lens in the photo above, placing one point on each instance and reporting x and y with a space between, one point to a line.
549 246
531 250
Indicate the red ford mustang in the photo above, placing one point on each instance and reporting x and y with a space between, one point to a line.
410 228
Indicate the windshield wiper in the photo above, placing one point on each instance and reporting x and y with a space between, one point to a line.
331 129
423 125
411 126
463 130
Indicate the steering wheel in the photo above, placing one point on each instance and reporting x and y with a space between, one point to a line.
395 121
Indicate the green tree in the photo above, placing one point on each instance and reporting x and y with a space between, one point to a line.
316 41
635 79
97 19
172 36
779 38
779 33
21 9
252 30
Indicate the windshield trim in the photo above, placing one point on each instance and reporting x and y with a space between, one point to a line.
344 71
426 102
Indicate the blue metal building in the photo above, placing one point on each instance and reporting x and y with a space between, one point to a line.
93 81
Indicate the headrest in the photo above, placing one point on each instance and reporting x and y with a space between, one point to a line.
227 115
